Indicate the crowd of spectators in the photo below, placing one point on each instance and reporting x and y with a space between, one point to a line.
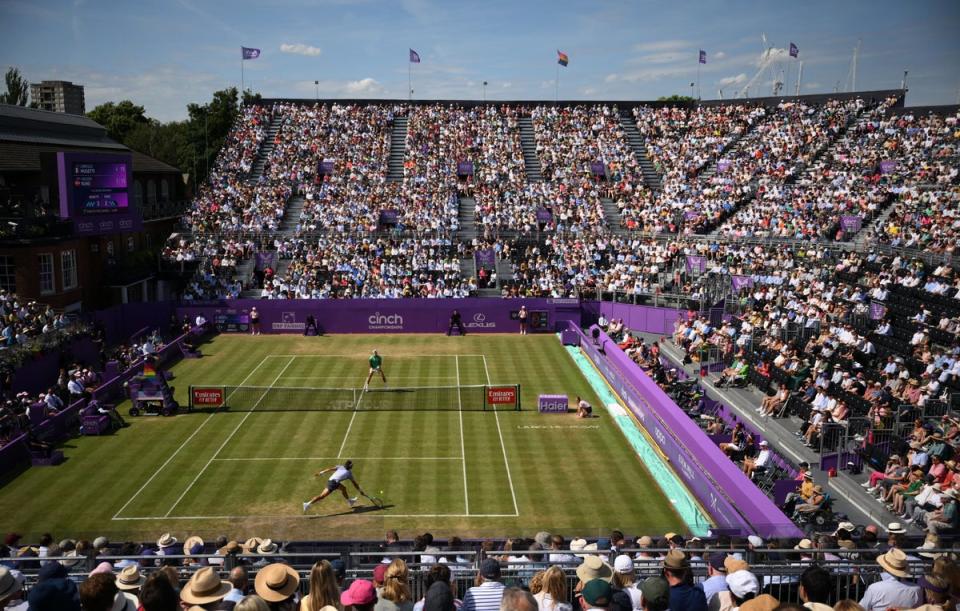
339 267
852 568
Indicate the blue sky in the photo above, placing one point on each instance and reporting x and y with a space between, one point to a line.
164 54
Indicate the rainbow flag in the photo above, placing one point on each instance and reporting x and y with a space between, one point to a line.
562 58
149 371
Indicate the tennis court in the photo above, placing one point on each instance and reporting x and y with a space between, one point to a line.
441 461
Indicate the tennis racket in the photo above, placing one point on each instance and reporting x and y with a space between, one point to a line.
374 499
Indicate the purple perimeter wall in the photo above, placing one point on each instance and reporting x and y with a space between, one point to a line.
386 315
726 493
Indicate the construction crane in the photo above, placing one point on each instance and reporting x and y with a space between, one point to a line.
768 59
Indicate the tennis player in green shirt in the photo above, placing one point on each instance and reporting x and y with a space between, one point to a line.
376 366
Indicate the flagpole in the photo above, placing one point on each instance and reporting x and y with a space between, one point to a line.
698 79
556 84
241 78
409 85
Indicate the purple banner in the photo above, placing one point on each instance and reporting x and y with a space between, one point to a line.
598 169
326 166
723 165
486 258
465 168
645 319
265 259
690 215
888 167
544 215
741 282
389 315
389 217
877 310
552 404
696 264
724 491
850 223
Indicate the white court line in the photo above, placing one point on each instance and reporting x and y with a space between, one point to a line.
375 514
357 355
227 440
506 461
349 426
392 377
177 451
463 451
353 458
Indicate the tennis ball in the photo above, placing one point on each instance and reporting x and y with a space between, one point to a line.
381 492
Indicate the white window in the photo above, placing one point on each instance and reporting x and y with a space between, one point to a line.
68 266
8 276
46 273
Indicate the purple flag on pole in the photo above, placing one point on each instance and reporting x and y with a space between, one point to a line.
723 165
465 168
703 56
598 168
249 53
414 57
741 282
794 51
850 223
486 258
888 166
877 310
696 263
544 215
263 260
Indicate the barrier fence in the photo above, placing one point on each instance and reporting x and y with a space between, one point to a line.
777 570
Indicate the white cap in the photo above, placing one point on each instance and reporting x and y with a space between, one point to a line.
755 541
623 564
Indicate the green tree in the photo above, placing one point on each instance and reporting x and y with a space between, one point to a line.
676 98
18 90
249 97
119 119
209 125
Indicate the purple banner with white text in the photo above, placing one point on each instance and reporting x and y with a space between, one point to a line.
486 258
696 264
741 282
850 223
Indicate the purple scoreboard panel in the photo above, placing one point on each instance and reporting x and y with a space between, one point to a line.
95 191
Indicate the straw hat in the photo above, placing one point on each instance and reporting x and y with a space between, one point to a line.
804 544
250 545
130 578
276 582
231 547
594 568
267 547
166 540
189 544
895 563
204 587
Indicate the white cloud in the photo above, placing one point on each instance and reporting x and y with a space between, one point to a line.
733 80
719 55
610 78
662 45
367 85
300 49
507 85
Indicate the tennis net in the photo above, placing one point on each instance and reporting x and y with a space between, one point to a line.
502 397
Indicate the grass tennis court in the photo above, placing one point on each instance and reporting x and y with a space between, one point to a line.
246 473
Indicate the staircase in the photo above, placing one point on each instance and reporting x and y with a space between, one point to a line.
398 147
529 146
612 216
291 215
466 214
266 147
504 271
650 176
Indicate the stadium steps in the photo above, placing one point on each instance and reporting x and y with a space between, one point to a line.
468 267
266 147
504 270
529 146
466 214
398 148
291 215
849 497
612 216
650 175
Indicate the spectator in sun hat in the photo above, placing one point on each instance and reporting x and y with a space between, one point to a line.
129 582
277 583
894 588
360 596
683 594
656 594
11 589
624 584
205 589
947 517
936 593
165 545
644 543
716 581
593 567
742 586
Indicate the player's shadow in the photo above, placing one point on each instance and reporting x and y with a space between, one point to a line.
354 511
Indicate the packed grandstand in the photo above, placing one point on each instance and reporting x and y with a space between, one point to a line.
826 226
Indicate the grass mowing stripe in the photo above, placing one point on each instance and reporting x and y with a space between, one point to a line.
506 461
463 452
177 451
227 440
